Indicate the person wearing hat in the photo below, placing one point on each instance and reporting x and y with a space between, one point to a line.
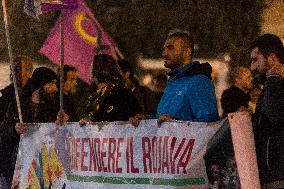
111 102
41 92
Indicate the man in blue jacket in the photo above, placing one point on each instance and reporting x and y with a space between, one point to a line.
190 93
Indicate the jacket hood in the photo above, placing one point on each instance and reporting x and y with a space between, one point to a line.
200 68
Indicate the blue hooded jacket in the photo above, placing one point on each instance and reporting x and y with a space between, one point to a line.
190 95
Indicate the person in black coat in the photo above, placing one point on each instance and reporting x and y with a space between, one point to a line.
23 70
267 62
40 96
111 102
9 134
237 97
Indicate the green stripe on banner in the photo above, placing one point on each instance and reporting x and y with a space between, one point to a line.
149 181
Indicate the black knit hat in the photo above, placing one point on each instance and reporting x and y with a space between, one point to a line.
41 76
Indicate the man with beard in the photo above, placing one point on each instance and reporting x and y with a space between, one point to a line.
190 93
267 59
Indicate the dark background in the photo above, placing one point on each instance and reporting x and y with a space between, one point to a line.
140 27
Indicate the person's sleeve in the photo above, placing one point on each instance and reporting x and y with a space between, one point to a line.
7 126
134 103
274 100
202 98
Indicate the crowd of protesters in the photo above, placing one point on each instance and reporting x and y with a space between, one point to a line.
116 95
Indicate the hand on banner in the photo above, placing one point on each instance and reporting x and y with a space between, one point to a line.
62 117
163 118
276 70
82 122
244 109
136 119
20 128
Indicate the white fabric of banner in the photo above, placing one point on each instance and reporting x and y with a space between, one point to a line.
115 155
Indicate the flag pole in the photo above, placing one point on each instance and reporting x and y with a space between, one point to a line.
244 148
12 66
61 59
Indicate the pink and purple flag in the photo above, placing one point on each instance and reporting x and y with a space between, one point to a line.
83 38
35 8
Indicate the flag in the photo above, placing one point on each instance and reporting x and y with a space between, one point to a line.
35 8
83 38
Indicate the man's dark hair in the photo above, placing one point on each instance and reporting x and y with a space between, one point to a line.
185 36
267 44
125 66
42 76
105 69
68 68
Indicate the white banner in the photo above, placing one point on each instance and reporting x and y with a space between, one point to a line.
114 155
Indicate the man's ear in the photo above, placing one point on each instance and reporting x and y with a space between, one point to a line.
127 75
187 53
272 59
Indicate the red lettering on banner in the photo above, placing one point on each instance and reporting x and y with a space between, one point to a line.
165 164
78 140
173 143
163 154
178 151
118 155
127 155
97 152
133 169
160 154
146 154
103 153
84 154
154 154
111 154
92 156
187 150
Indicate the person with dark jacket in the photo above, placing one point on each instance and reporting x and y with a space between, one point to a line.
69 89
37 105
23 70
237 97
9 134
40 94
219 158
111 102
267 59
143 94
